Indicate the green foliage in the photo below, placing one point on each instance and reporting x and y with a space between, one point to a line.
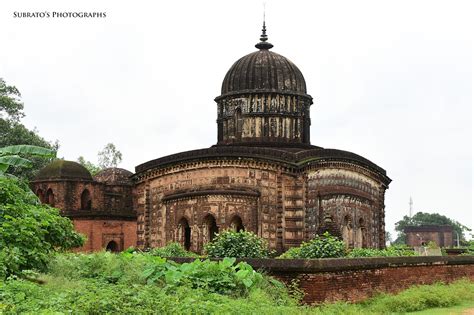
423 218
10 104
172 250
12 132
392 251
423 297
223 277
237 244
291 253
29 231
109 156
10 156
91 167
322 246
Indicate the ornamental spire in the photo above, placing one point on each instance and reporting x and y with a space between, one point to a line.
263 38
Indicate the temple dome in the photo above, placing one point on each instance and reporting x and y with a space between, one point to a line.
263 71
114 176
62 169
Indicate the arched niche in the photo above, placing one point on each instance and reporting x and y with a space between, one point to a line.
210 228
347 231
236 224
238 123
86 200
361 239
112 246
184 233
50 197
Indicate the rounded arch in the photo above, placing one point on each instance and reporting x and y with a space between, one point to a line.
86 200
40 195
50 197
112 246
184 233
347 231
210 228
236 224
361 238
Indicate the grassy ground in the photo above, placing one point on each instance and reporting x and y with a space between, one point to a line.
463 308
141 284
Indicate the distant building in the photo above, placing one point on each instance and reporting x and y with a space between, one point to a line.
101 207
442 235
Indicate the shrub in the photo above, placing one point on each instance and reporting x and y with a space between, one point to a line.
237 244
291 253
322 246
29 231
392 251
172 250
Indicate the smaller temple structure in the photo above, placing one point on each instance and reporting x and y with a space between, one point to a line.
421 235
101 207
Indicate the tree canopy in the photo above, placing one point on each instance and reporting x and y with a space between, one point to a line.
424 218
110 156
30 231
13 132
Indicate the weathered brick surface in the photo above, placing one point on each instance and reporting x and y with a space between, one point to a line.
285 207
102 211
100 233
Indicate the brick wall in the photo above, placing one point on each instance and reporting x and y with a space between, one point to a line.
327 280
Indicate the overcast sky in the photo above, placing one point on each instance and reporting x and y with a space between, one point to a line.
391 81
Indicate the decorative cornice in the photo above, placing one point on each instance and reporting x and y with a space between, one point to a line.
206 192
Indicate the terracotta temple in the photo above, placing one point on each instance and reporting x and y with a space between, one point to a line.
263 175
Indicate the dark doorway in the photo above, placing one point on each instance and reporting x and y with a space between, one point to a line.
113 247
211 226
50 197
236 224
86 201
185 233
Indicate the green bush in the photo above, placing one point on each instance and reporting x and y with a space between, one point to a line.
237 244
291 253
392 251
29 231
172 250
322 246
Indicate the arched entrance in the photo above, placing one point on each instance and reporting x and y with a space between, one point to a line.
361 240
210 228
347 232
184 233
236 224
86 200
112 246
50 197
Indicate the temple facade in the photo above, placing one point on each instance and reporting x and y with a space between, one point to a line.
263 174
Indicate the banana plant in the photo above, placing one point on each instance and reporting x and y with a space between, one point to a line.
11 156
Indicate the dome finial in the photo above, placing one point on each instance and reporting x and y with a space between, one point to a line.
263 38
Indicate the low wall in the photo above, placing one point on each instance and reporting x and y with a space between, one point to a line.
355 279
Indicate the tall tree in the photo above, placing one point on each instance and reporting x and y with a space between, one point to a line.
424 218
10 105
13 132
109 156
